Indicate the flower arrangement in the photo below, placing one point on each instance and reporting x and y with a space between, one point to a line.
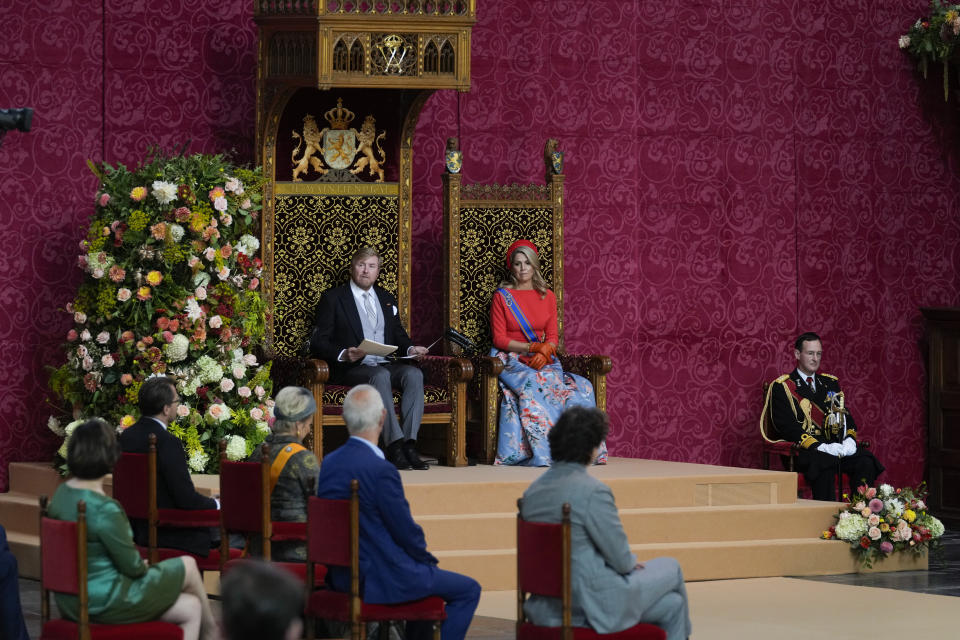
171 286
934 39
880 521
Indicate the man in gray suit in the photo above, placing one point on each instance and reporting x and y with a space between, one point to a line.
611 591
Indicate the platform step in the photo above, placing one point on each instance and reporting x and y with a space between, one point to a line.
38 478
20 512
26 548
495 569
699 524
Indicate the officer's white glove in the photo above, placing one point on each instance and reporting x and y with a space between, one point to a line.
849 446
832 448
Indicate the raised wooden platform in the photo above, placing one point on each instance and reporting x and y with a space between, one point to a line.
719 522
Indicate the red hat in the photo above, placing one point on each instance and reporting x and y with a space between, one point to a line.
516 245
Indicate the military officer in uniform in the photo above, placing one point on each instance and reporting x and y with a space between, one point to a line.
808 408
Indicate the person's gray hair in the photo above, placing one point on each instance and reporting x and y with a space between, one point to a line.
362 409
292 405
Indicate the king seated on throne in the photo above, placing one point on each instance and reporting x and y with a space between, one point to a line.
807 408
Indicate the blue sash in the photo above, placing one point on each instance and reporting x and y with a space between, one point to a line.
518 315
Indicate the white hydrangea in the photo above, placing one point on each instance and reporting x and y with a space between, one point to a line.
935 526
164 192
247 245
264 428
68 430
236 448
198 460
885 490
208 370
176 232
177 350
54 425
893 506
851 526
201 279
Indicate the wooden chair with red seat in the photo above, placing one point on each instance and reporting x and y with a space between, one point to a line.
245 490
135 488
543 568
333 539
63 569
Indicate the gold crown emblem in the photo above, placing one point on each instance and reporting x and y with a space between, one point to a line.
339 117
393 41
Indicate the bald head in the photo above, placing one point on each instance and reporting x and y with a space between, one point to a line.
363 411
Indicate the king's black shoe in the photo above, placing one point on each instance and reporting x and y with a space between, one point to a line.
397 455
410 449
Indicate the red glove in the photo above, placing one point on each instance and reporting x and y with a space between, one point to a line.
548 349
537 361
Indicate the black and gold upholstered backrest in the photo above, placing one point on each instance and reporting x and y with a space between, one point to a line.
317 229
480 223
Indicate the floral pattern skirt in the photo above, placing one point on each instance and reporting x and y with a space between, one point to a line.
532 402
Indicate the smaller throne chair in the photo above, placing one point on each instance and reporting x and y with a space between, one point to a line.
480 222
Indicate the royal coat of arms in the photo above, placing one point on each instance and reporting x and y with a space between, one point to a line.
338 146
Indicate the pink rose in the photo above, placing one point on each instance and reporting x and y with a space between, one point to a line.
103 337
104 199
874 533
249 359
210 253
123 294
238 371
872 492
246 204
244 392
873 520
72 335
216 322
85 335
87 363
220 204
193 261
256 413
259 391
168 336
254 284
79 317
226 385
226 250
126 379
107 360
226 219
81 351
183 410
200 293
97 273
865 512
860 506
224 273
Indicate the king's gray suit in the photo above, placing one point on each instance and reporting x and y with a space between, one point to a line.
609 593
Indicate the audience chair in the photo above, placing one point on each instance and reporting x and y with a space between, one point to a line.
245 508
543 568
333 539
135 488
63 569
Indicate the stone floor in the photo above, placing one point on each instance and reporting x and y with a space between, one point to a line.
942 578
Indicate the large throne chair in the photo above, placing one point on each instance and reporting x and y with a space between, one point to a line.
340 86
480 222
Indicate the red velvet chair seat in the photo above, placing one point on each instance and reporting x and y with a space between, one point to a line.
66 630
333 605
639 632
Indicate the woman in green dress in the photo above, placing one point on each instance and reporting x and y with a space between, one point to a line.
122 587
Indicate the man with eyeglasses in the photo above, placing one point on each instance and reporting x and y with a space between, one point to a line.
800 404
158 401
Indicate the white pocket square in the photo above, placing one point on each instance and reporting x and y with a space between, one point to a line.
395 312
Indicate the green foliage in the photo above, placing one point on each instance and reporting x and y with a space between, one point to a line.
934 39
171 286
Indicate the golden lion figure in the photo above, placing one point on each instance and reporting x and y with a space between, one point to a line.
313 139
366 138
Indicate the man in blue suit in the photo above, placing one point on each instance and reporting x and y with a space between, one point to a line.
395 565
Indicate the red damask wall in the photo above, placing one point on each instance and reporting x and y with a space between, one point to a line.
737 172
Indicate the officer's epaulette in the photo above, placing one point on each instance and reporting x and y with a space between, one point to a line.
783 378
827 375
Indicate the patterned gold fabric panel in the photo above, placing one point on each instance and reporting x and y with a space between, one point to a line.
315 237
485 235
436 399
